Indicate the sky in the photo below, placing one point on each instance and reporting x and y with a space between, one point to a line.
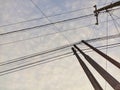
65 73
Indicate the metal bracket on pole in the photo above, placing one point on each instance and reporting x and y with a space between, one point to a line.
105 8
96 14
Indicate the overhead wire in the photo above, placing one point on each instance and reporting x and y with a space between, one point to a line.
114 22
116 19
34 55
33 64
115 15
44 61
49 20
63 47
49 34
24 21
106 47
40 61
38 26
105 2
45 35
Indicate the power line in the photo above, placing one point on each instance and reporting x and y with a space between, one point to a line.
114 23
24 21
38 26
63 47
46 35
72 11
31 56
106 46
50 34
116 20
49 20
43 61
115 15
68 45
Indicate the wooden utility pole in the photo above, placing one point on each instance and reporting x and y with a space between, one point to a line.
87 71
110 79
117 64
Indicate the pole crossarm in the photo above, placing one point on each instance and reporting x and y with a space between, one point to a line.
107 7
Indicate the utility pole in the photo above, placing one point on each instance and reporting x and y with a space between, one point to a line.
88 73
117 64
110 79
106 8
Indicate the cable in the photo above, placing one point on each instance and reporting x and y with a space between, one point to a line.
49 20
115 15
44 61
46 35
114 23
116 20
106 46
22 67
105 2
38 26
31 56
72 11
65 46
49 34
103 38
